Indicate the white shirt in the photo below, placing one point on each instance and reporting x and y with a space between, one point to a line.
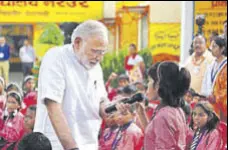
206 89
65 81
2 44
134 61
27 54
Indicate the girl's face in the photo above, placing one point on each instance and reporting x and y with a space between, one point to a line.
200 117
110 120
140 87
30 85
216 50
152 90
29 120
196 99
188 97
132 50
12 104
123 119
123 83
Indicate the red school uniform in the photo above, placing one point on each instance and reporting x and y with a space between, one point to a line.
210 141
12 128
29 99
127 137
166 130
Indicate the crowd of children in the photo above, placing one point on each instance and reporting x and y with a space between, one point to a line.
174 116
17 116
183 112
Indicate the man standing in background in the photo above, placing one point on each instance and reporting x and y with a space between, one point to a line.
27 56
198 62
4 59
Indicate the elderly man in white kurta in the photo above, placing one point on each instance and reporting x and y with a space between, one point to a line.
71 92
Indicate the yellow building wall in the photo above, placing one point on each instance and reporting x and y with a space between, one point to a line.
129 29
129 23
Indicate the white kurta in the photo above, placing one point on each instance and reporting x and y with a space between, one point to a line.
65 81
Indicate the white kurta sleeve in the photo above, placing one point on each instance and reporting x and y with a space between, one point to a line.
51 83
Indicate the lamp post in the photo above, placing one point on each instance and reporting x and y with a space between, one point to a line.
200 21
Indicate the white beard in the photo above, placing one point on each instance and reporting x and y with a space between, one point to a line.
83 59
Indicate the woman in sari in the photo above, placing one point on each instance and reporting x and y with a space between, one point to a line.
215 81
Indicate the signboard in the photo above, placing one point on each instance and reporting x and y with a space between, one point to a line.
49 11
165 38
215 13
165 41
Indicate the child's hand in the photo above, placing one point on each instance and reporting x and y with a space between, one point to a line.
112 76
123 108
140 108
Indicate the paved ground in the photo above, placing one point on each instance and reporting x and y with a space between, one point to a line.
16 77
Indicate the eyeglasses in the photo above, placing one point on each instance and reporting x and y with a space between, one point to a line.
99 52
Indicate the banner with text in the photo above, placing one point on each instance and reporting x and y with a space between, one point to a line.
165 38
50 11
215 14
165 41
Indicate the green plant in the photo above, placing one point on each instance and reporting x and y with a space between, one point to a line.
114 62
51 35
147 56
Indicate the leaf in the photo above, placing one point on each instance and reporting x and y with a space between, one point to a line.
51 35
